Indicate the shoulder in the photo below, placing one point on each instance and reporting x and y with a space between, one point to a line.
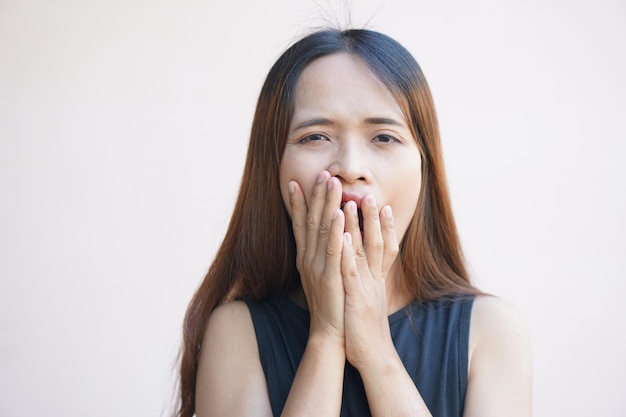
496 324
229 332
230 378
228 323
228 326
500 375
493 316
234 313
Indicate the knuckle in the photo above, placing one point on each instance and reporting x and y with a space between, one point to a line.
331 251
311 222
378 245
317 191
295 223
360 251
324 229
353 272
393 249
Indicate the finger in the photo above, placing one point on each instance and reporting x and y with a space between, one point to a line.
334 247
349 270
332 203
315 207
298 218
390 239
372 235
350 210
352 227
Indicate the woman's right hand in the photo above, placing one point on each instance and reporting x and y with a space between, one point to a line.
318 230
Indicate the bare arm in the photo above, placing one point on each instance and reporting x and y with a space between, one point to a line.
318 231
230 380
500 375
318 384
353 325
499 380
389 388
391 391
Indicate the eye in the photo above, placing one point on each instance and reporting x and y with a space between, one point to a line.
385 139
316 137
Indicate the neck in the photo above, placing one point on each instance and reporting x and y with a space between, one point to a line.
397 294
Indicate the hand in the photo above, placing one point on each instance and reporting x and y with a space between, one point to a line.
318 231
365 262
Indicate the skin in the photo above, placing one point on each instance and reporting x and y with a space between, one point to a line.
348 140
348 126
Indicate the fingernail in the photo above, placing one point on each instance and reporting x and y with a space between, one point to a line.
348 238
292 187
321 176
330 184
387 212
352 207
370 200
335 213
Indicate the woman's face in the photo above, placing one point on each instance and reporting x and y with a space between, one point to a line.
347 122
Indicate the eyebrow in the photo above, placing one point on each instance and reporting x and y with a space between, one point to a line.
383 121
318 121
322 121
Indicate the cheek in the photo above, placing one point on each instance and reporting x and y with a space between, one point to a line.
405 200
284 189
302 173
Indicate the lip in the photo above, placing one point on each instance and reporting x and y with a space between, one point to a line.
345 197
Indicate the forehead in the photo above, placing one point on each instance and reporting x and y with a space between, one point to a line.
340 83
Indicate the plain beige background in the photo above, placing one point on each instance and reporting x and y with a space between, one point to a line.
123 129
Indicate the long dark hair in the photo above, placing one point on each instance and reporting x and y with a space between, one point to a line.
257 256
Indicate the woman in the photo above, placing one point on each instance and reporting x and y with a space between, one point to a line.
340 287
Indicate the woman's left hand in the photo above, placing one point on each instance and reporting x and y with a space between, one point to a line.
366 259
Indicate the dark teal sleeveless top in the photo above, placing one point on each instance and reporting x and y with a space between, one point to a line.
431 339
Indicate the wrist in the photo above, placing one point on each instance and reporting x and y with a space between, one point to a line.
328 343
379 363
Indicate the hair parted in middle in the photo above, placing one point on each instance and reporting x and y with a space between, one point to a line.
431 253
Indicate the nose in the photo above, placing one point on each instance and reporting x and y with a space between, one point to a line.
349 163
